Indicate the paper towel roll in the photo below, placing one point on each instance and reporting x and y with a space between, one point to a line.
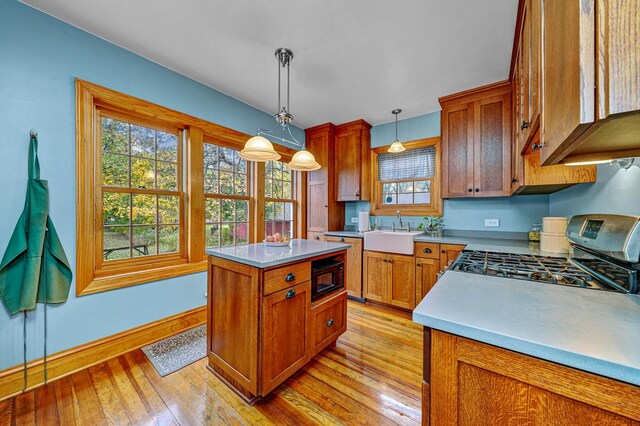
363 221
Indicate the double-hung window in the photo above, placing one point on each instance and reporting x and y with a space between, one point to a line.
408 181
279 200
226 191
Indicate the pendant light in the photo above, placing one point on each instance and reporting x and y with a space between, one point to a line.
258 148
396 146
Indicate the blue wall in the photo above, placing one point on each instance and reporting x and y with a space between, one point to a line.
616 191
40 57
516 214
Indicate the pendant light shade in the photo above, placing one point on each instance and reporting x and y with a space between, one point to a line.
396 146
303 161
259 148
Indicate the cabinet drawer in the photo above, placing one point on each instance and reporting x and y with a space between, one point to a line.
428 250
318 236
286 276
328 321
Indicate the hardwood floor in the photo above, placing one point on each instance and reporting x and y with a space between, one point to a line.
371 376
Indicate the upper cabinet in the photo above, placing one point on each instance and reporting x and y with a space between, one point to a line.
324 213
590 80
352 158
476 142
526 74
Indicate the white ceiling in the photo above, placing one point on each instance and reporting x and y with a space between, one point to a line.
352 58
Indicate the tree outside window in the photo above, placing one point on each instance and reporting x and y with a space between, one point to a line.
280 205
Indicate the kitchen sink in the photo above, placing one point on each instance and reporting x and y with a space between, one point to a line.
400 242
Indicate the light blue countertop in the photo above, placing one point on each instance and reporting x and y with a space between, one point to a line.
262 256
592 330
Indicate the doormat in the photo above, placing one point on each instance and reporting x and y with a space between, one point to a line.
178 351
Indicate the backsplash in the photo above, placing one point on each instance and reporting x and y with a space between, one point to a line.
516 214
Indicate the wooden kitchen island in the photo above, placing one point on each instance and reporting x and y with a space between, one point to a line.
262 325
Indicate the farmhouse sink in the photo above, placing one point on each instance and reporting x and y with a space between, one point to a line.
400 242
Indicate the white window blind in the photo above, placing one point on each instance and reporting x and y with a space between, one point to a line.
414 164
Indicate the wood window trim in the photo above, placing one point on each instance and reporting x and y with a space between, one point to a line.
378 208
91 279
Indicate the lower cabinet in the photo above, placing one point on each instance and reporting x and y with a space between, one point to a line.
285 337
318 236
354 264
390 279
471 383
328 321
426 276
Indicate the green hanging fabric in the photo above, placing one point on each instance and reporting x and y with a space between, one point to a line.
34 267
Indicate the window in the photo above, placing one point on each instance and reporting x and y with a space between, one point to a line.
280 205
155 187
226 192
408 181
141 190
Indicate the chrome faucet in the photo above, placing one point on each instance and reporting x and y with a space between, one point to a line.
401 227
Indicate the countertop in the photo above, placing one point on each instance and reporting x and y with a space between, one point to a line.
591 330
262 256
505 245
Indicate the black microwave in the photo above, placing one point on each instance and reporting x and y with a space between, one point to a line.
326 277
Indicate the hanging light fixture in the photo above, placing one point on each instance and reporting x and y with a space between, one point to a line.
258 148
396 146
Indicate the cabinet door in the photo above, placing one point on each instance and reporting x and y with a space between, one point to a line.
354 264
525 57
348 158
568 100
492 147
376 276
449 253
426 276
402 285
317 206
286 341
457 151
328 321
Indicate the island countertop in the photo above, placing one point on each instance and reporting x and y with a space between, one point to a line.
261 256
591 330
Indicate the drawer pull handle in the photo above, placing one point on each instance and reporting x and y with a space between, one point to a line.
426 250
330 322
290 277
291 293
341 240
317 237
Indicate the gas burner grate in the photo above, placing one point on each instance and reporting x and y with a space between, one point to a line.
552 270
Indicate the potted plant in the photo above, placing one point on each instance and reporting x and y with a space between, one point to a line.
432 226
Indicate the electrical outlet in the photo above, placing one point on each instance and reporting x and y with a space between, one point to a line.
354 220
492 222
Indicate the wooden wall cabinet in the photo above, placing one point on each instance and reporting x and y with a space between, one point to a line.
476 142
324 212
353 160
471 383
390 278
591 89
354 264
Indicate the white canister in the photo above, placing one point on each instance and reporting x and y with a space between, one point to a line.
554 225
554 243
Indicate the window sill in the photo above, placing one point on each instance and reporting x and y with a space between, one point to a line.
413 210
115 281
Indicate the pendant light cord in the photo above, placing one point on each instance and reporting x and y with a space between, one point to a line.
396 126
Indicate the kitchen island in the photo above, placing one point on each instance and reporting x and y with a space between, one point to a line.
262 324
499 348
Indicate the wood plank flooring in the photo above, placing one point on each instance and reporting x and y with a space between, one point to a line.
371 376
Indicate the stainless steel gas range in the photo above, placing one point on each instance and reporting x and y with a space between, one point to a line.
605 255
